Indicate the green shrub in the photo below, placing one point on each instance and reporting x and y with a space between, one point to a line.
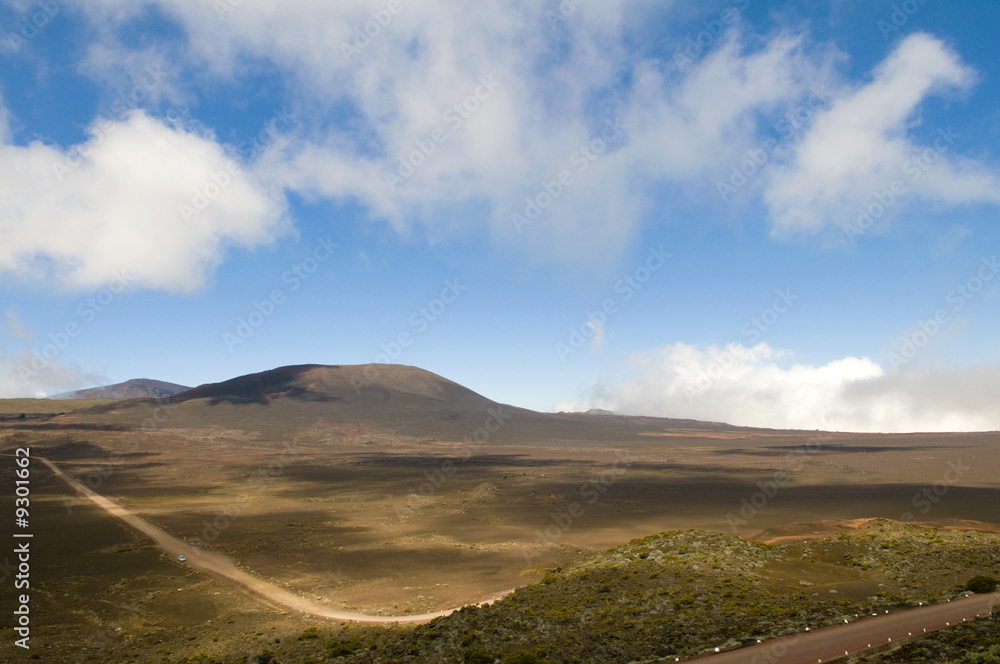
344 647
989 656
265 656
527 657
981 585
478 656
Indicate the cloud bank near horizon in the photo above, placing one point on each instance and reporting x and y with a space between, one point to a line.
760 386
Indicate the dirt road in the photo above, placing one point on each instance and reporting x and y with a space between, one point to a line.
830 643
224 566
815 647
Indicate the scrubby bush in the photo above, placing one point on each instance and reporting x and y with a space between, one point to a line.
989 656
478 656
344 647
618 606
527 657
265 657
981 585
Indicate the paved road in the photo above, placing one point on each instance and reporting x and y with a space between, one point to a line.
224 566
824 645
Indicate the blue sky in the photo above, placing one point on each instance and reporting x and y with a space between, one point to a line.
744 211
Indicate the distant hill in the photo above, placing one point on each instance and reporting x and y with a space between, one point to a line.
379 402
363 386
137 388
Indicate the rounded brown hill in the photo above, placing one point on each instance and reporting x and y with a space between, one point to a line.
360 385
388 400
402 399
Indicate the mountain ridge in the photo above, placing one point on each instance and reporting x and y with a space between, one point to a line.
397 401
332 383
135 388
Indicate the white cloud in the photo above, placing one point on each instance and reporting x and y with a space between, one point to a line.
391 90
699 123
143 78
558 88
862 145
75 217
24 374
16 328
763 387
598 337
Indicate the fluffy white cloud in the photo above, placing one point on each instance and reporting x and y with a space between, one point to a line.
859 152
763 387
442 117
558 84
156 203
698 123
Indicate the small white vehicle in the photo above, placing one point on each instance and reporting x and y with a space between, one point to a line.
181 558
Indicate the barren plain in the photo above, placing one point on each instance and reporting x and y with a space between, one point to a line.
398 493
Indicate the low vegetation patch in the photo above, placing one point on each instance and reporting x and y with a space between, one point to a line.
683 594
982 585
675 595
976 642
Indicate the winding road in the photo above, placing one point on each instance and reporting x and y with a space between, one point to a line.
830 643
221 565
813 647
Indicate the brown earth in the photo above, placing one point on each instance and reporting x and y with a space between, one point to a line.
374 501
